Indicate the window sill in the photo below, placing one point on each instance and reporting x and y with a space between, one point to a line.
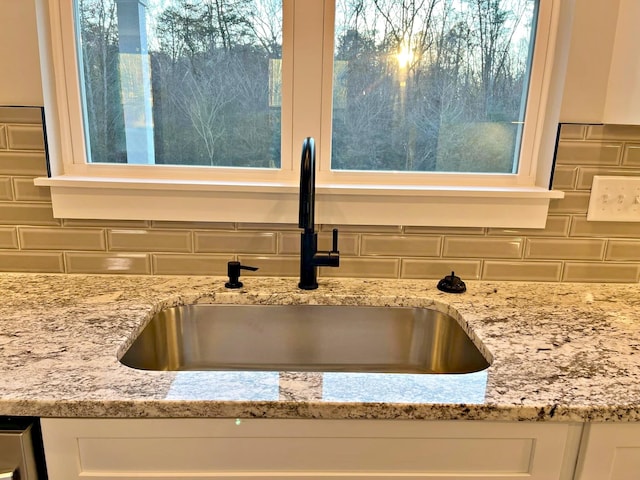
176 200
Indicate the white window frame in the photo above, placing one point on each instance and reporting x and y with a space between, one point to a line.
139 192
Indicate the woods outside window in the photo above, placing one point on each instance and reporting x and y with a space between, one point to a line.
416 100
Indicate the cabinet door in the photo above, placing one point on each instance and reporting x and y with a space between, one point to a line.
610 452
319 449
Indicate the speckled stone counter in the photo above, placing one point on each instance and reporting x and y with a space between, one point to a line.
558 352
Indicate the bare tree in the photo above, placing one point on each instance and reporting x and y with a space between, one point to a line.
495 24
265 21
99 31
458 88
462 66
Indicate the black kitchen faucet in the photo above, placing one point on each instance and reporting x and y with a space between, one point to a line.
310 258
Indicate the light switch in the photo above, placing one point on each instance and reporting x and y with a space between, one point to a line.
614 199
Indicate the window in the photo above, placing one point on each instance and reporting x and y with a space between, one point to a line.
426 112
430 85
181 82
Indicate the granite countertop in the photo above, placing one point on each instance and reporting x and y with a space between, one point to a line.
559 352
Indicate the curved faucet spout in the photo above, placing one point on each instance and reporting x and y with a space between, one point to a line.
310 258
306 218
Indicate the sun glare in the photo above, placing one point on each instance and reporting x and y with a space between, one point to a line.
404 56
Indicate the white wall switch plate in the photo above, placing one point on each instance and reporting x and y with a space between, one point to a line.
614 199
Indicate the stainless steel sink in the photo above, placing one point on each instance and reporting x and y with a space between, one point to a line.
304 338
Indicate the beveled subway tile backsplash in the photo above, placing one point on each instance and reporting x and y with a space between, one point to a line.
563 248
573 202
34 238
26 191
8 238
401 245
289 243
589 153
139 240
235 242
557 226
581 227
122 263
189 264
434 268
6 191
20 116
612 132
601 272
24 137
532 271
572 131
586 174
49 262
568 249
271 266
473 247
631 156
564 177
22 163
25 213
374 267
623 250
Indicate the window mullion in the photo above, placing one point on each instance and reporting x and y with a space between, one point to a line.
308 37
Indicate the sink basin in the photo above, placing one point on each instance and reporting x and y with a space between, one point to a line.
311 338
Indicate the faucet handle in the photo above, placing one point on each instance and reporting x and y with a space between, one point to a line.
233 271
334 247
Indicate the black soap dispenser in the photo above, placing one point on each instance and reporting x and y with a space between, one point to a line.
233 271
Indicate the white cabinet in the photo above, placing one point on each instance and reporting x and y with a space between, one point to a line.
610 451
338 449
623 90
603 72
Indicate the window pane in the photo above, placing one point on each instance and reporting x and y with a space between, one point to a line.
431 85
182 82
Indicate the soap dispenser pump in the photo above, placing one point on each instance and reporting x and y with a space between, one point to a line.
233 271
